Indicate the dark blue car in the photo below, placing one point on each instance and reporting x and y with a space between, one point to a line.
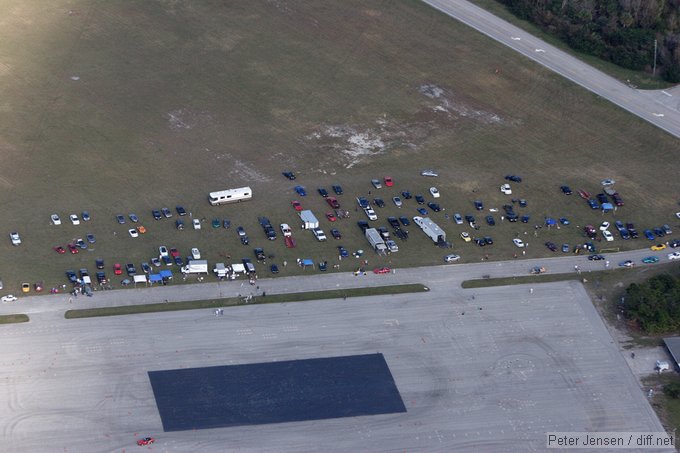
649 235
301 191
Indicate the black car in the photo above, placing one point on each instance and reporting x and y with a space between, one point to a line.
259 254
289 174
618 201
244 240
363 225
156 214
146 268
404 221
478 205
379 202
337 189
595 257
513 178
166 213
179 224
274 269
130 269
488 240
551 246
434 206
336 233
99 263
180 210
406 195
659 232
71 275
83 273
566 190
394 223
179 261
420 199
323 192
101 278
226 223
490 221
480 242
602 198
522 203
633 233
323 266
675 243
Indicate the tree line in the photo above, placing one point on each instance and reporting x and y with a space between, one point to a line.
620 31
654 305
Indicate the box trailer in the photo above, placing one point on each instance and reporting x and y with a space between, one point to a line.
196 267
375 239
230 196
221 270
431 229
309 220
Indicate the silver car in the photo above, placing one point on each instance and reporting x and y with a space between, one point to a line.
451 258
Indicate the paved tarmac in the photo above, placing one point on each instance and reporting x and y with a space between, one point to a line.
659 107
484 369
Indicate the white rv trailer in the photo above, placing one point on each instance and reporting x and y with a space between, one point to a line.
230 196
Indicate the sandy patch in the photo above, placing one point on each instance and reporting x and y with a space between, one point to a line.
445 101
183 119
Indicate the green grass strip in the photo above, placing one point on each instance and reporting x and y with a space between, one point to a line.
13 319
234 301
505 281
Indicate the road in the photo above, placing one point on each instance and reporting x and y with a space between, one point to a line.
659 107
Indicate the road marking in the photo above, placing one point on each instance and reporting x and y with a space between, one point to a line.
515 38
658 114
540 50
391 322
667 93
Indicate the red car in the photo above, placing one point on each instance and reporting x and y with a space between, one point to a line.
59 249
382 270
174 253
331 217
388 181
146 441
117 269
333 202
296 205
73 248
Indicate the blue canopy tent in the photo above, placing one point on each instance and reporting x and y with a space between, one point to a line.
307 262
607 207
166 275
155 278
549 221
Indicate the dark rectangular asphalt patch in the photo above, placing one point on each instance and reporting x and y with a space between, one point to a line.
275 392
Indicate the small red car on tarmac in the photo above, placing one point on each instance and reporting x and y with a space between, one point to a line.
146 441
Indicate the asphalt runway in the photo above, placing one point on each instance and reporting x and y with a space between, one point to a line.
659 107
478 370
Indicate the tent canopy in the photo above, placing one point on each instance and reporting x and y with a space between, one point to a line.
165 273
155 278
140 278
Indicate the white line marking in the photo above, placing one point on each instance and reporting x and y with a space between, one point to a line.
667 93
658 114
540 50
515 38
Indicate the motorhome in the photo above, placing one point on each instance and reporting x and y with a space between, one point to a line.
230 196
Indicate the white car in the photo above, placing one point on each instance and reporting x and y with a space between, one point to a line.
607 235
196 223
458 219
55 219
677 214
604 226
195 253
451 258
133 232
434 192
370 213
674 256
397 201
163 251
518 242
9 298
505 188
74 219
14 237
285 230
429 172
376 183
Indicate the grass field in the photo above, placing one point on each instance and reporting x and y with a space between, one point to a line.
118 107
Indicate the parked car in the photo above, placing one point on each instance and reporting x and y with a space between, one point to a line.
607 235
649 235
451 258
134 218
566 190
90 238
180 210
300 191
465 236
388 181
376 183
173 253
627 263
156 214
331 217
513 178
166 213
342 251
196 224
336 233
551 246
85 215
274 269
479 205
133 232
420 199
422 211
72 248
290 175
59 249
337 189
650 259
565 248
323 192
120 218
99 263
429 172
505 189
74 219
195 253
146 268
658 247
434 192
226 223
216 223
155 262
130 269
397 201
490 220
458 219
15 238
379 202
333 202
406 195
518 242
404 221
564 221
434 206
55 219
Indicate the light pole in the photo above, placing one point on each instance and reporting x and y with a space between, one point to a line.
654 70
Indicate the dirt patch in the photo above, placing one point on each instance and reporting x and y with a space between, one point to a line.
184 118
446 101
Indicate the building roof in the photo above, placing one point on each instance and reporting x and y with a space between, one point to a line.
673 345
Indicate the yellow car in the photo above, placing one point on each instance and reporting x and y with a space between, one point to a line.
25 287
465 236
657 247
